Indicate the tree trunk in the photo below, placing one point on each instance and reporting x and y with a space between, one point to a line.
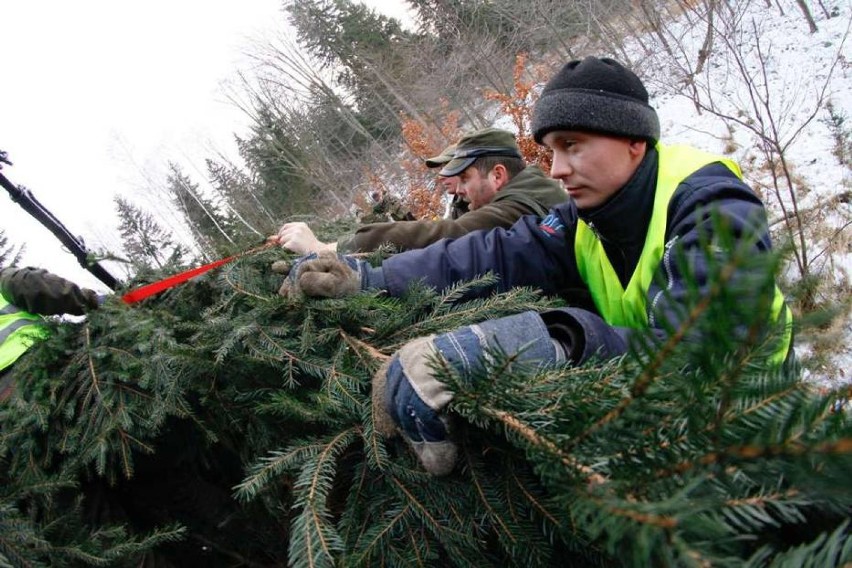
807 12
707 46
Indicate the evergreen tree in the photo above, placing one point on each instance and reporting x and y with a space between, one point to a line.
146 243
500 20
274 153
208 226
8 255
245 418
240 192
364 50
535 28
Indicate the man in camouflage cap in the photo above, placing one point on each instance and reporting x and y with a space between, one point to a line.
493 180
441 159
457 206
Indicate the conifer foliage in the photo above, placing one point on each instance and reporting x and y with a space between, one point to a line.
222 425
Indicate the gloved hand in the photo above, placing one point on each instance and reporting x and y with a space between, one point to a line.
407 395
325 275
92 299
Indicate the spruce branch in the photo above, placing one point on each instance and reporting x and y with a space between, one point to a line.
512 423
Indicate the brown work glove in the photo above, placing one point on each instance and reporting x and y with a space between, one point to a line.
382 421
323 275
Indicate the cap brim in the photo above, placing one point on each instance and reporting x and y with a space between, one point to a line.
438 161
456 166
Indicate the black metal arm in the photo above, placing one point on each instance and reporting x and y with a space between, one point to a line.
24 197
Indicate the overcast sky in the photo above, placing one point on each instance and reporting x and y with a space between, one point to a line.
97 95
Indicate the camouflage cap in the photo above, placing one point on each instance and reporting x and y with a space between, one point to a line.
445 156
479 143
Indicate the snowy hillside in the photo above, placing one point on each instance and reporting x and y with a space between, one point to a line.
768 73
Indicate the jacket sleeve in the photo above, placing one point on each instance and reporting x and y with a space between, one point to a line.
40 292
533 252
710 197
408 235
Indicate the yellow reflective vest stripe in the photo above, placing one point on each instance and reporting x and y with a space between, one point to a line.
627 307
18 331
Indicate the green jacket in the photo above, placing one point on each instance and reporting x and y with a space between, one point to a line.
528 193
38 291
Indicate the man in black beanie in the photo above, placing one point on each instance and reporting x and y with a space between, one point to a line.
637 207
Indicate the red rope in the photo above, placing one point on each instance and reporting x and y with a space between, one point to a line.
148 290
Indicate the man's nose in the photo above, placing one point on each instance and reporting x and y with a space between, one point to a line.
560 167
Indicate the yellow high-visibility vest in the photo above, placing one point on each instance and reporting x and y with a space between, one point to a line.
627 308
18 331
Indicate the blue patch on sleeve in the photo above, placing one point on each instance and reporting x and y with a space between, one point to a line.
551 225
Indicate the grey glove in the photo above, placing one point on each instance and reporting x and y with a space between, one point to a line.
324 275
407 394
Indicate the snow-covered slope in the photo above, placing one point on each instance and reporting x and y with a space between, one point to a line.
768 72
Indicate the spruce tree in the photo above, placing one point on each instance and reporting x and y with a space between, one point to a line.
240 422
241 196
146 243
9 254
274 154
363 48
208 226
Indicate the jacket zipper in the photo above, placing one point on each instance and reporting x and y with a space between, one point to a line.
594 230
667 270
623 276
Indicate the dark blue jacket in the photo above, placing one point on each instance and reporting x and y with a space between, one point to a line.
539 253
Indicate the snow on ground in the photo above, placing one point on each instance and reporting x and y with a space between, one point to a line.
799 68
800 72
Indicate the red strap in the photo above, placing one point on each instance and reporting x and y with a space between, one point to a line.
156 287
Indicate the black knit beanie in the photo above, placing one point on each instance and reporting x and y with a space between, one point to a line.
597 95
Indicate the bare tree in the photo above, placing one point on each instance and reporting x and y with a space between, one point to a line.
808 17
737 90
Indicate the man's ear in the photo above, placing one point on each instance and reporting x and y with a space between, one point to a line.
638 147
500 175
